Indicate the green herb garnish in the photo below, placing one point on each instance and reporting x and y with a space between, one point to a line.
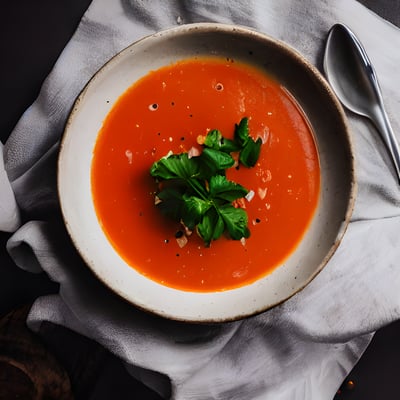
195 190
250 149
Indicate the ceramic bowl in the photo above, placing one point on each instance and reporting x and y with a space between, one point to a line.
333 141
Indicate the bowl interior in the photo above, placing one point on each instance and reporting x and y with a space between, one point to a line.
324 114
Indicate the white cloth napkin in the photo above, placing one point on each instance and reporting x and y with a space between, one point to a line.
302 349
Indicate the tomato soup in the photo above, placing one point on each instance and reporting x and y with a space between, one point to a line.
166 111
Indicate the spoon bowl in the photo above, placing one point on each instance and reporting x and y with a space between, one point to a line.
354 80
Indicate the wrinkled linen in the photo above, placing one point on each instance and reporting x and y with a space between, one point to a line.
302 349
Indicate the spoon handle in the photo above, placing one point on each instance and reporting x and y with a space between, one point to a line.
382 123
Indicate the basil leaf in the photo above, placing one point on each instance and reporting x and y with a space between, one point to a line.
216 141
193 210
211 227
235 221
213 139
242 131
172 203
229 146
216 160
250 152
175 166
224 189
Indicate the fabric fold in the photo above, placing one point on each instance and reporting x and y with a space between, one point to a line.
9 211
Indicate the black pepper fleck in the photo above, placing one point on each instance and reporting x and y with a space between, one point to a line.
179 234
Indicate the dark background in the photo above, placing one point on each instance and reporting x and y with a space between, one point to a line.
32 35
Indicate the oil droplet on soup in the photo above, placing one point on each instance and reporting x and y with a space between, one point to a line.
166 111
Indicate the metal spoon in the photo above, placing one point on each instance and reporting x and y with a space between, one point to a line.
353 78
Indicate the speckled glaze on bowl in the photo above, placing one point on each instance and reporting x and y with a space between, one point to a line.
332 137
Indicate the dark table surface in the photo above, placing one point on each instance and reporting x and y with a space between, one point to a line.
32 35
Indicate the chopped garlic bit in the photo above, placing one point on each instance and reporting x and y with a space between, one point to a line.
128 154
193 152
182 236
201 139
262 192
182 241
243 241
250 195
157 200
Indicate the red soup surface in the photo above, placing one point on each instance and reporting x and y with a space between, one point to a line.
166 111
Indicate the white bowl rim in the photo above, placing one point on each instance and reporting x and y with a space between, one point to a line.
223 298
